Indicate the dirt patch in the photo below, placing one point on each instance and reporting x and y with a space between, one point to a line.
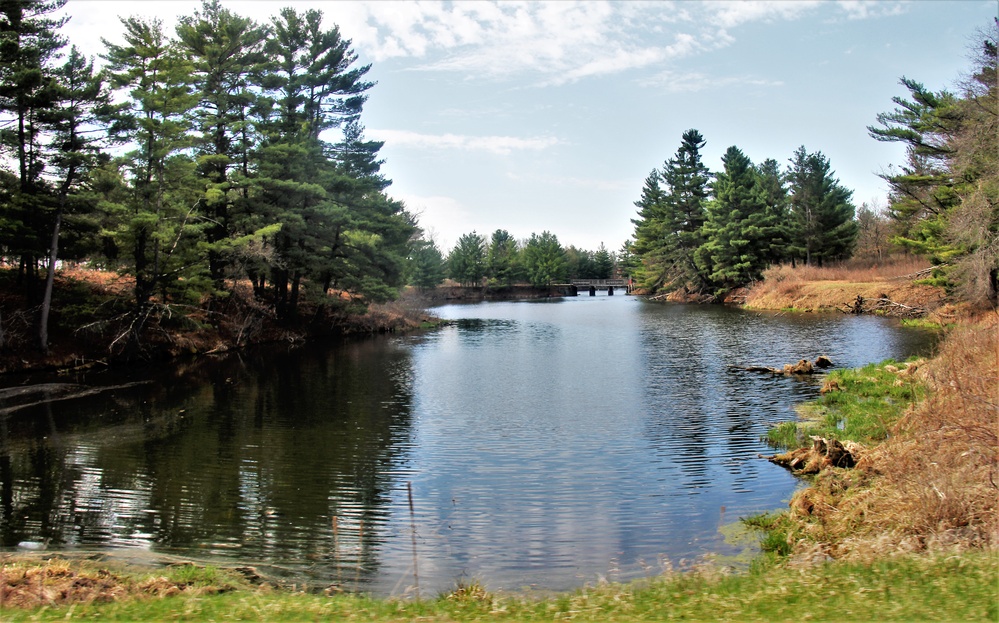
32 584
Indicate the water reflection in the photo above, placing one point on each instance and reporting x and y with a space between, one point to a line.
547 444
256 457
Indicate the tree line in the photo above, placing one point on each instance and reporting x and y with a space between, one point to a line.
228 149
501 261
708 233
705 232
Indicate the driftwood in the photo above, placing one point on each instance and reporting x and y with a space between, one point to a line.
823 453
803 367
53 392
882 306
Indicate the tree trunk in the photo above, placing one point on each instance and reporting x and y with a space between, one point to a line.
43 329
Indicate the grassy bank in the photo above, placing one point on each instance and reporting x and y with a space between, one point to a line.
927 478
901 589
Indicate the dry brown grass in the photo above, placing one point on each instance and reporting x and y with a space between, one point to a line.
813 288
934 485
856 271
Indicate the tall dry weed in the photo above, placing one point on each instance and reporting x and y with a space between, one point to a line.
855 271
934 485
943 462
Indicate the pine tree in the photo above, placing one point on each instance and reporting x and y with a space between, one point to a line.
502 258
739 228
686 179
81 98
334 227
466 263
946 194
226 53
650 233
156 225
544 260
771 181
426 264
603 263
671 217
822 214
29 44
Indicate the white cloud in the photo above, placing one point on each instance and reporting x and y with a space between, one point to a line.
502 145
693 82
443 218
573 182
865 9
732 13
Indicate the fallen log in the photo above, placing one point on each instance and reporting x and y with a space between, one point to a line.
803 367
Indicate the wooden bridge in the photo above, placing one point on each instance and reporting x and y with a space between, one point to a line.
592 285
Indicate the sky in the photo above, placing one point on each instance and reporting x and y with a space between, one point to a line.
534 116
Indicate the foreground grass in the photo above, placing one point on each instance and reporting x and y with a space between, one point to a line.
910 588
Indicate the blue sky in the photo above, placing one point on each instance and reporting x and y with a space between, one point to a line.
548 116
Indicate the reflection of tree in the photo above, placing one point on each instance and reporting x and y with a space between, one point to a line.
257 458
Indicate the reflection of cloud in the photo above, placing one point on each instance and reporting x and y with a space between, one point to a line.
502 145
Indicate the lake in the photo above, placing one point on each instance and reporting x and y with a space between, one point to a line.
543 444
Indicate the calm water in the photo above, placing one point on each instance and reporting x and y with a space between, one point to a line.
546 444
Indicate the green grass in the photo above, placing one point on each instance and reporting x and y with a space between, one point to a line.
923 323
958 587
871 401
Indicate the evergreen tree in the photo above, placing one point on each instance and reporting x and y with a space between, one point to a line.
29 44
426 264
337 229
544 260
156 225
822 215
81 98
686 179
579 263
671 216
771 182
603 263
502 260
650 232
739 228
947 193
226 53
467 261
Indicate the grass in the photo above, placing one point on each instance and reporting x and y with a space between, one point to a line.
869 401
908 588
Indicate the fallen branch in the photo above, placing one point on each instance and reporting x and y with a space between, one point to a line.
802 367
882 306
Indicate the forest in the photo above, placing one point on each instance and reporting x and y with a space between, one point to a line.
227 150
